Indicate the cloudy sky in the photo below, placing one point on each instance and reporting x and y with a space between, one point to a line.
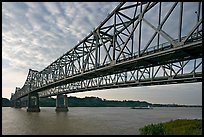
36 34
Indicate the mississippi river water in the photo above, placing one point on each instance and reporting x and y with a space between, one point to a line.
89 120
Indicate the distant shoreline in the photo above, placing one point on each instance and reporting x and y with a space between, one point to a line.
97 102
123 106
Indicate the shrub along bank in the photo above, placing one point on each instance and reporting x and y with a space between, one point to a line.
174 127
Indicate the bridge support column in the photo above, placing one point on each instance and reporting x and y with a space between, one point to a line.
33 102
17 103
61 103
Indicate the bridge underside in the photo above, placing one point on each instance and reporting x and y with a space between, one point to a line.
118 81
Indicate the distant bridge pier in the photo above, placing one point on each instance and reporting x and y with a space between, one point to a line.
61 103
17 103
33 102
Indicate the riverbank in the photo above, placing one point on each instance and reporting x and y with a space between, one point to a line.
174 127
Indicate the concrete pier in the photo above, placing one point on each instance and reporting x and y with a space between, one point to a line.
33 102
61 103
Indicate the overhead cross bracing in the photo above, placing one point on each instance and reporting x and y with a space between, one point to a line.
138 44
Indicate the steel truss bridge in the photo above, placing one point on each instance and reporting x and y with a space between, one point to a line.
138 44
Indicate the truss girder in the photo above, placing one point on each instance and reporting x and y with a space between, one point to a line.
172 73
134 38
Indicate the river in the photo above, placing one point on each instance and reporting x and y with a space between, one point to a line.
90 120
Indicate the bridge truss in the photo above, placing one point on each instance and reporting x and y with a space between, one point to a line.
138 44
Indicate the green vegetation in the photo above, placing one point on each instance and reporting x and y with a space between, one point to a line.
98 102
176 127
47 102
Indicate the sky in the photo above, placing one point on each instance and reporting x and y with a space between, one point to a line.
36 34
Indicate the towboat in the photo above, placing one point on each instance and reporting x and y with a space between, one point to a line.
148 107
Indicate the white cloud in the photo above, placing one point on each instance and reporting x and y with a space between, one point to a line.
52 8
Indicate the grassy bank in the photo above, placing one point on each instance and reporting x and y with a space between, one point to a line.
174 127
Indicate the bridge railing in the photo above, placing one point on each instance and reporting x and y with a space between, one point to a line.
161 47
